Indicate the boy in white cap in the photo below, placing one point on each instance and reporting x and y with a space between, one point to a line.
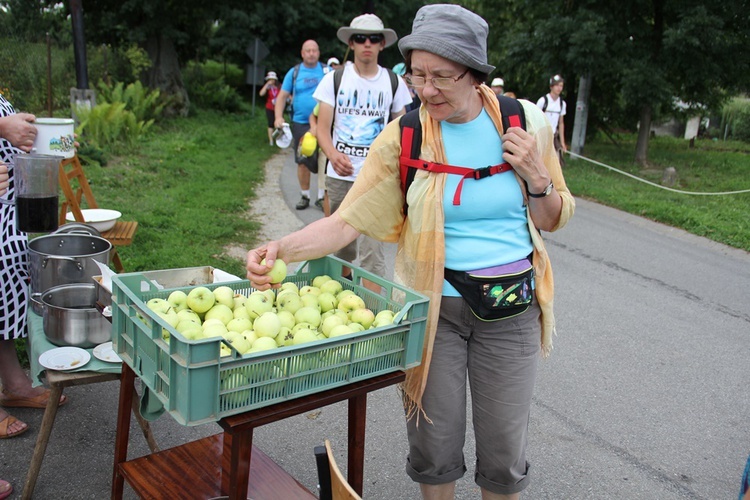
357 113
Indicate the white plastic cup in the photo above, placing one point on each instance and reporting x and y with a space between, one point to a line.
54 136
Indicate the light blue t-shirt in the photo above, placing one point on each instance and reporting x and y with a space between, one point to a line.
489 227
306 83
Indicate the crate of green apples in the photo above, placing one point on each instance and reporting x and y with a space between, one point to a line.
214 350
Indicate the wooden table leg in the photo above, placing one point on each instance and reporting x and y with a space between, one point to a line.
127 388
42 439
356 455
235 463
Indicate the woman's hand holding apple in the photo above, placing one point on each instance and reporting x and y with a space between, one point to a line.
257 272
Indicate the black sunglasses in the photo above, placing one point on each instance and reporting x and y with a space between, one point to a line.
360 38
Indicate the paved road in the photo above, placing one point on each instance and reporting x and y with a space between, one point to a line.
645 396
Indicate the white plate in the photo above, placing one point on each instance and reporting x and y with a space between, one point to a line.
64 358
104 352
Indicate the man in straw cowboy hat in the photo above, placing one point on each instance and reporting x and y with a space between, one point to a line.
367 97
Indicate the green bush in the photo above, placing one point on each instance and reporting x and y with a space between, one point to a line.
208 89
111 127
735 119
143 102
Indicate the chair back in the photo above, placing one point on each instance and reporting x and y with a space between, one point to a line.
340 488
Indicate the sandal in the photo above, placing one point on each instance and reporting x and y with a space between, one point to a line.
5 489
39 401
5 434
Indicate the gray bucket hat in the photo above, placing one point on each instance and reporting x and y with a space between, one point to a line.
452 32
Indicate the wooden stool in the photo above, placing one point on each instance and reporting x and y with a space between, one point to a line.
120 235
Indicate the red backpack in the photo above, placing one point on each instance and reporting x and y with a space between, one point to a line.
512 115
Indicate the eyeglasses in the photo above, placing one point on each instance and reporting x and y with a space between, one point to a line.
360 38
443 83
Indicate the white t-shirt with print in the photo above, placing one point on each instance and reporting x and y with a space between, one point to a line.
555 109
361 111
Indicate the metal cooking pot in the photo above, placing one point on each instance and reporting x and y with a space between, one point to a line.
71 318
60 259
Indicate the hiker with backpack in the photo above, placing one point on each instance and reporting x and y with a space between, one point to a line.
554 108
356 102
467 212
300 83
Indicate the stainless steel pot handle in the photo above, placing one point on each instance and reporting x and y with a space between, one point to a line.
61 257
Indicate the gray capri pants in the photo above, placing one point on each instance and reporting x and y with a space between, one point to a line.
371 251
501 358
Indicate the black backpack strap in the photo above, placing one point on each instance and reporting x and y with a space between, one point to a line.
511 112
337 75
394 81
544 107
411 147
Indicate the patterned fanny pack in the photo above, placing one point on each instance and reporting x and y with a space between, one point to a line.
497 292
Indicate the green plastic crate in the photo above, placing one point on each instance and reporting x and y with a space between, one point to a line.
186 375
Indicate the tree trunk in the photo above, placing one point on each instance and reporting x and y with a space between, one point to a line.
644 133
164 74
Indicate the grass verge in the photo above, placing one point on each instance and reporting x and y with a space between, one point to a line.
709 167
189 186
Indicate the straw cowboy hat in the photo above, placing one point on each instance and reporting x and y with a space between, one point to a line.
367 24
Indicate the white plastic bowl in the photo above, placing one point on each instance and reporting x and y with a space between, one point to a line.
100 219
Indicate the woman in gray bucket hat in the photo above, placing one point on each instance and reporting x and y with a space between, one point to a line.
471 243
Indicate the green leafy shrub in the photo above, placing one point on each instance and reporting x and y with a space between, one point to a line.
142 102
111 127
208 89
735 119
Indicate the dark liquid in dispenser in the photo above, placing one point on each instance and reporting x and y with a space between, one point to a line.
36 214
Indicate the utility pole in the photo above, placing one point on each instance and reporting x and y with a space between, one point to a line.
582 115
80 96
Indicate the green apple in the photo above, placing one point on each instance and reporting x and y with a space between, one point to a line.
278 270
355 327
190 330
224 350
224 295
332 286
344 293
239 300
239 324
263 344
200 299
351 302
310 300
363 316
319 280
214 330
267 325
309 289
289 285
257 303
230 384
327 301
340 330
299 326
383 318
289 301
329 323
221 312
309 315
250 336
189 315
159 305
240 343
178 300
285 337
241 312
287 319
304 336
212 321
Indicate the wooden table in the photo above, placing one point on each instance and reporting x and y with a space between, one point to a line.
228 463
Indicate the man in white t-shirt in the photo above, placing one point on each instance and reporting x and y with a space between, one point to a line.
554 108
368 97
